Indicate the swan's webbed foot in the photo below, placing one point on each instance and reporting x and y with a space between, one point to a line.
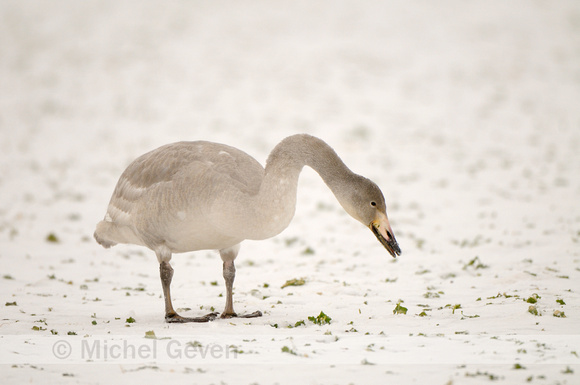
235 315
176 318
255 314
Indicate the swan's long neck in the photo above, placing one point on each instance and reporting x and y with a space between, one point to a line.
295 152
274 206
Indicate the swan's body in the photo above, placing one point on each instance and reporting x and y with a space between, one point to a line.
191 196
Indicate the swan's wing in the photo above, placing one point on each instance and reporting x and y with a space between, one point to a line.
176 164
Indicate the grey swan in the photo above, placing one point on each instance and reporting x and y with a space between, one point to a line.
200 195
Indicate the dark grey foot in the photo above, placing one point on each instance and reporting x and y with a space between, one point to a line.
176 318
234 315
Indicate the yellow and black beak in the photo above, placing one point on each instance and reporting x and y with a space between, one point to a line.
382 230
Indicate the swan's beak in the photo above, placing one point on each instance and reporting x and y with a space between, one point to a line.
382 230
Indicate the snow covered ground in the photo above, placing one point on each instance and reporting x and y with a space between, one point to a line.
465 113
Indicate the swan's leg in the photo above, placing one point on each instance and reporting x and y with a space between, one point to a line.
229 276
228 256
166 273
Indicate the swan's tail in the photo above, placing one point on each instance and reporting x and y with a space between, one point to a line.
109 233
104 234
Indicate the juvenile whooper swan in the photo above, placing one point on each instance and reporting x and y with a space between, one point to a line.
191 196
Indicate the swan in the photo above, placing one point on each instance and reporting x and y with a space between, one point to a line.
200 195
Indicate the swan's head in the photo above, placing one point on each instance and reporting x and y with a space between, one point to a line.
364 201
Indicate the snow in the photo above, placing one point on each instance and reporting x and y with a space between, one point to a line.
465 113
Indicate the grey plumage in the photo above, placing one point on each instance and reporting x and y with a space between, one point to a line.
191 196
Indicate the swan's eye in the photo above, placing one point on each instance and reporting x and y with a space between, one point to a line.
373 203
